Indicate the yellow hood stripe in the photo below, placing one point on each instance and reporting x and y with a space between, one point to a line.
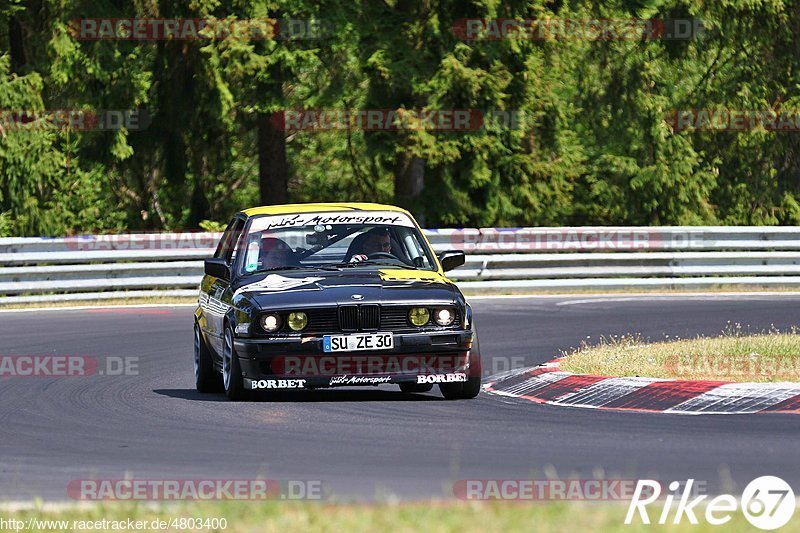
400 274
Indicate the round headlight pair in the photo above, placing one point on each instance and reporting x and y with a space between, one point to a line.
419 316
272 322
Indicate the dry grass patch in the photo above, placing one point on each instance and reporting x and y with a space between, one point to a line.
770 356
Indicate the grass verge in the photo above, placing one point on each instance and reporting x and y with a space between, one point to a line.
733 356
480 517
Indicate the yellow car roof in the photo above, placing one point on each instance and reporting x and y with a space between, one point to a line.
287 209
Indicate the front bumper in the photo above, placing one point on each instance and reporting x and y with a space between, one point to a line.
301 362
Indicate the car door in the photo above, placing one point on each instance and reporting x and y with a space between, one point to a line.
213 289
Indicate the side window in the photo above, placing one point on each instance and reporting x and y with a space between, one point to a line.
225 238
236 242
229 239
413 248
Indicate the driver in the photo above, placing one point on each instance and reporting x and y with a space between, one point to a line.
377 240
374 241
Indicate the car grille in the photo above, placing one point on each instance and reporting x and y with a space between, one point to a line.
359 317
393 318
369 317
350 318
322 321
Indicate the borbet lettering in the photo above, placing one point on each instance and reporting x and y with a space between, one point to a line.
442 378
278 383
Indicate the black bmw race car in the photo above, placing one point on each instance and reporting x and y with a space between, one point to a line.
326 295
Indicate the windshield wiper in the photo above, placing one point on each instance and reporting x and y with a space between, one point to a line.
371 262
329 268
288 267
388 263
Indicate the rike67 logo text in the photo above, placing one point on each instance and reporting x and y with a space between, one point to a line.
767 503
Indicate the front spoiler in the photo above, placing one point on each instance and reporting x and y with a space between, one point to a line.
319 382
301 362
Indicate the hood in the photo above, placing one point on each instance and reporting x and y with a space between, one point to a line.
311 288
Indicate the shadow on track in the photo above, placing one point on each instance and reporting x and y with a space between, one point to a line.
340 395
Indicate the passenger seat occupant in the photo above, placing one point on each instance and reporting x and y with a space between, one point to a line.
275 254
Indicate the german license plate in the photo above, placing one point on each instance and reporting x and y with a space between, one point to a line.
357 342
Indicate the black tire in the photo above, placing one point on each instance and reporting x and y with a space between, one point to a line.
461 391
472 387
206 378
416 387
231 370
451 391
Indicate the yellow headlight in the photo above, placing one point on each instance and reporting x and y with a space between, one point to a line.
419 316
297 320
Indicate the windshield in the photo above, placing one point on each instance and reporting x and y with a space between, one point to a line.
334 240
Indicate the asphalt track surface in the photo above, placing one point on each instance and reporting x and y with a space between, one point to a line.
365 443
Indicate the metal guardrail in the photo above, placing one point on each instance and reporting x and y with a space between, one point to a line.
170 264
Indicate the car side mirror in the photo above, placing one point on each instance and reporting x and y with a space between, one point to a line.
218 268
452 259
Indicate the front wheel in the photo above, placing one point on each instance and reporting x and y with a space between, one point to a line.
231 370
470 388
451 391
206 379
461 391
473 385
